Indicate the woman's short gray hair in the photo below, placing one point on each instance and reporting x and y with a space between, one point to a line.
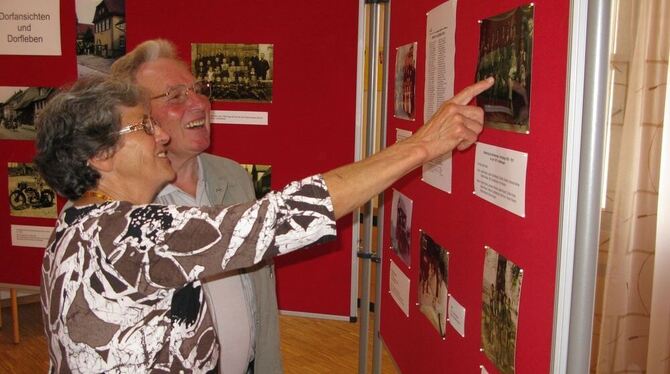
76 125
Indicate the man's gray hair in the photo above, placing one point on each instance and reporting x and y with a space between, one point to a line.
125 68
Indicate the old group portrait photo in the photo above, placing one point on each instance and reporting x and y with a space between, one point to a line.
235 72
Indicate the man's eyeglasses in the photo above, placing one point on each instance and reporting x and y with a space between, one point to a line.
147 124
179 93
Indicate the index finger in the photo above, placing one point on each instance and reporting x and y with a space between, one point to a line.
469 92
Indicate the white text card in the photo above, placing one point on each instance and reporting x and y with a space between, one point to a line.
30 27
500 177
402 134
31 236
437 173
457 316
399 287
238 117
440 56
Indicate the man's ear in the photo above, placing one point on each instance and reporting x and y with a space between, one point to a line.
102 161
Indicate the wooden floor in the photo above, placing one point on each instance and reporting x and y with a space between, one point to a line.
308 345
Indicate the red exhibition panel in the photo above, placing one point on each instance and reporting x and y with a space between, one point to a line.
21 265
463 223
311 118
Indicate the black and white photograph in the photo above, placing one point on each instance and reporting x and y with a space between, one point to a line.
29 195
101 35
261 176
405 82
401 226
19 108
501 293
433 282
236 72
505 53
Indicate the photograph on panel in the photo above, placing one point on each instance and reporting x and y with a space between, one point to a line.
401 226
29 195
501 293
433 285
405 82
260 177
505 51
236 72
101 35
19 108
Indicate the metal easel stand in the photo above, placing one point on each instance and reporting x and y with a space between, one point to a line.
375 127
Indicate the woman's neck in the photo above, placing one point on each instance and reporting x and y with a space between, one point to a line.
93 196
107 191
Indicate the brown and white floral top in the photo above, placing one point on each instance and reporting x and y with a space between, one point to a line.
120 283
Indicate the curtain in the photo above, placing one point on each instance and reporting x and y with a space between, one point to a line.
628 224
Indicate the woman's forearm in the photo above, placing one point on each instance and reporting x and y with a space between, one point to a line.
350 186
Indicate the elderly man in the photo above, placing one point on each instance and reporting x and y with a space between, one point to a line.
243 303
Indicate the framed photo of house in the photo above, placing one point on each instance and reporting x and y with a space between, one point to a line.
19 108
101 35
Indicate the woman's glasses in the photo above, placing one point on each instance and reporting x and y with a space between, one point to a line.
147 124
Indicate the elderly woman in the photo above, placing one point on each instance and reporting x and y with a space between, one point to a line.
120 277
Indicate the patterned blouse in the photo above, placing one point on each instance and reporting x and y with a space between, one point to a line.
120 290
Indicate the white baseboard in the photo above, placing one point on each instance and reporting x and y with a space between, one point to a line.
21 290
314 315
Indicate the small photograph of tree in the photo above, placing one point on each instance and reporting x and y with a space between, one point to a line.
505 53
261 177
433 282
501 293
